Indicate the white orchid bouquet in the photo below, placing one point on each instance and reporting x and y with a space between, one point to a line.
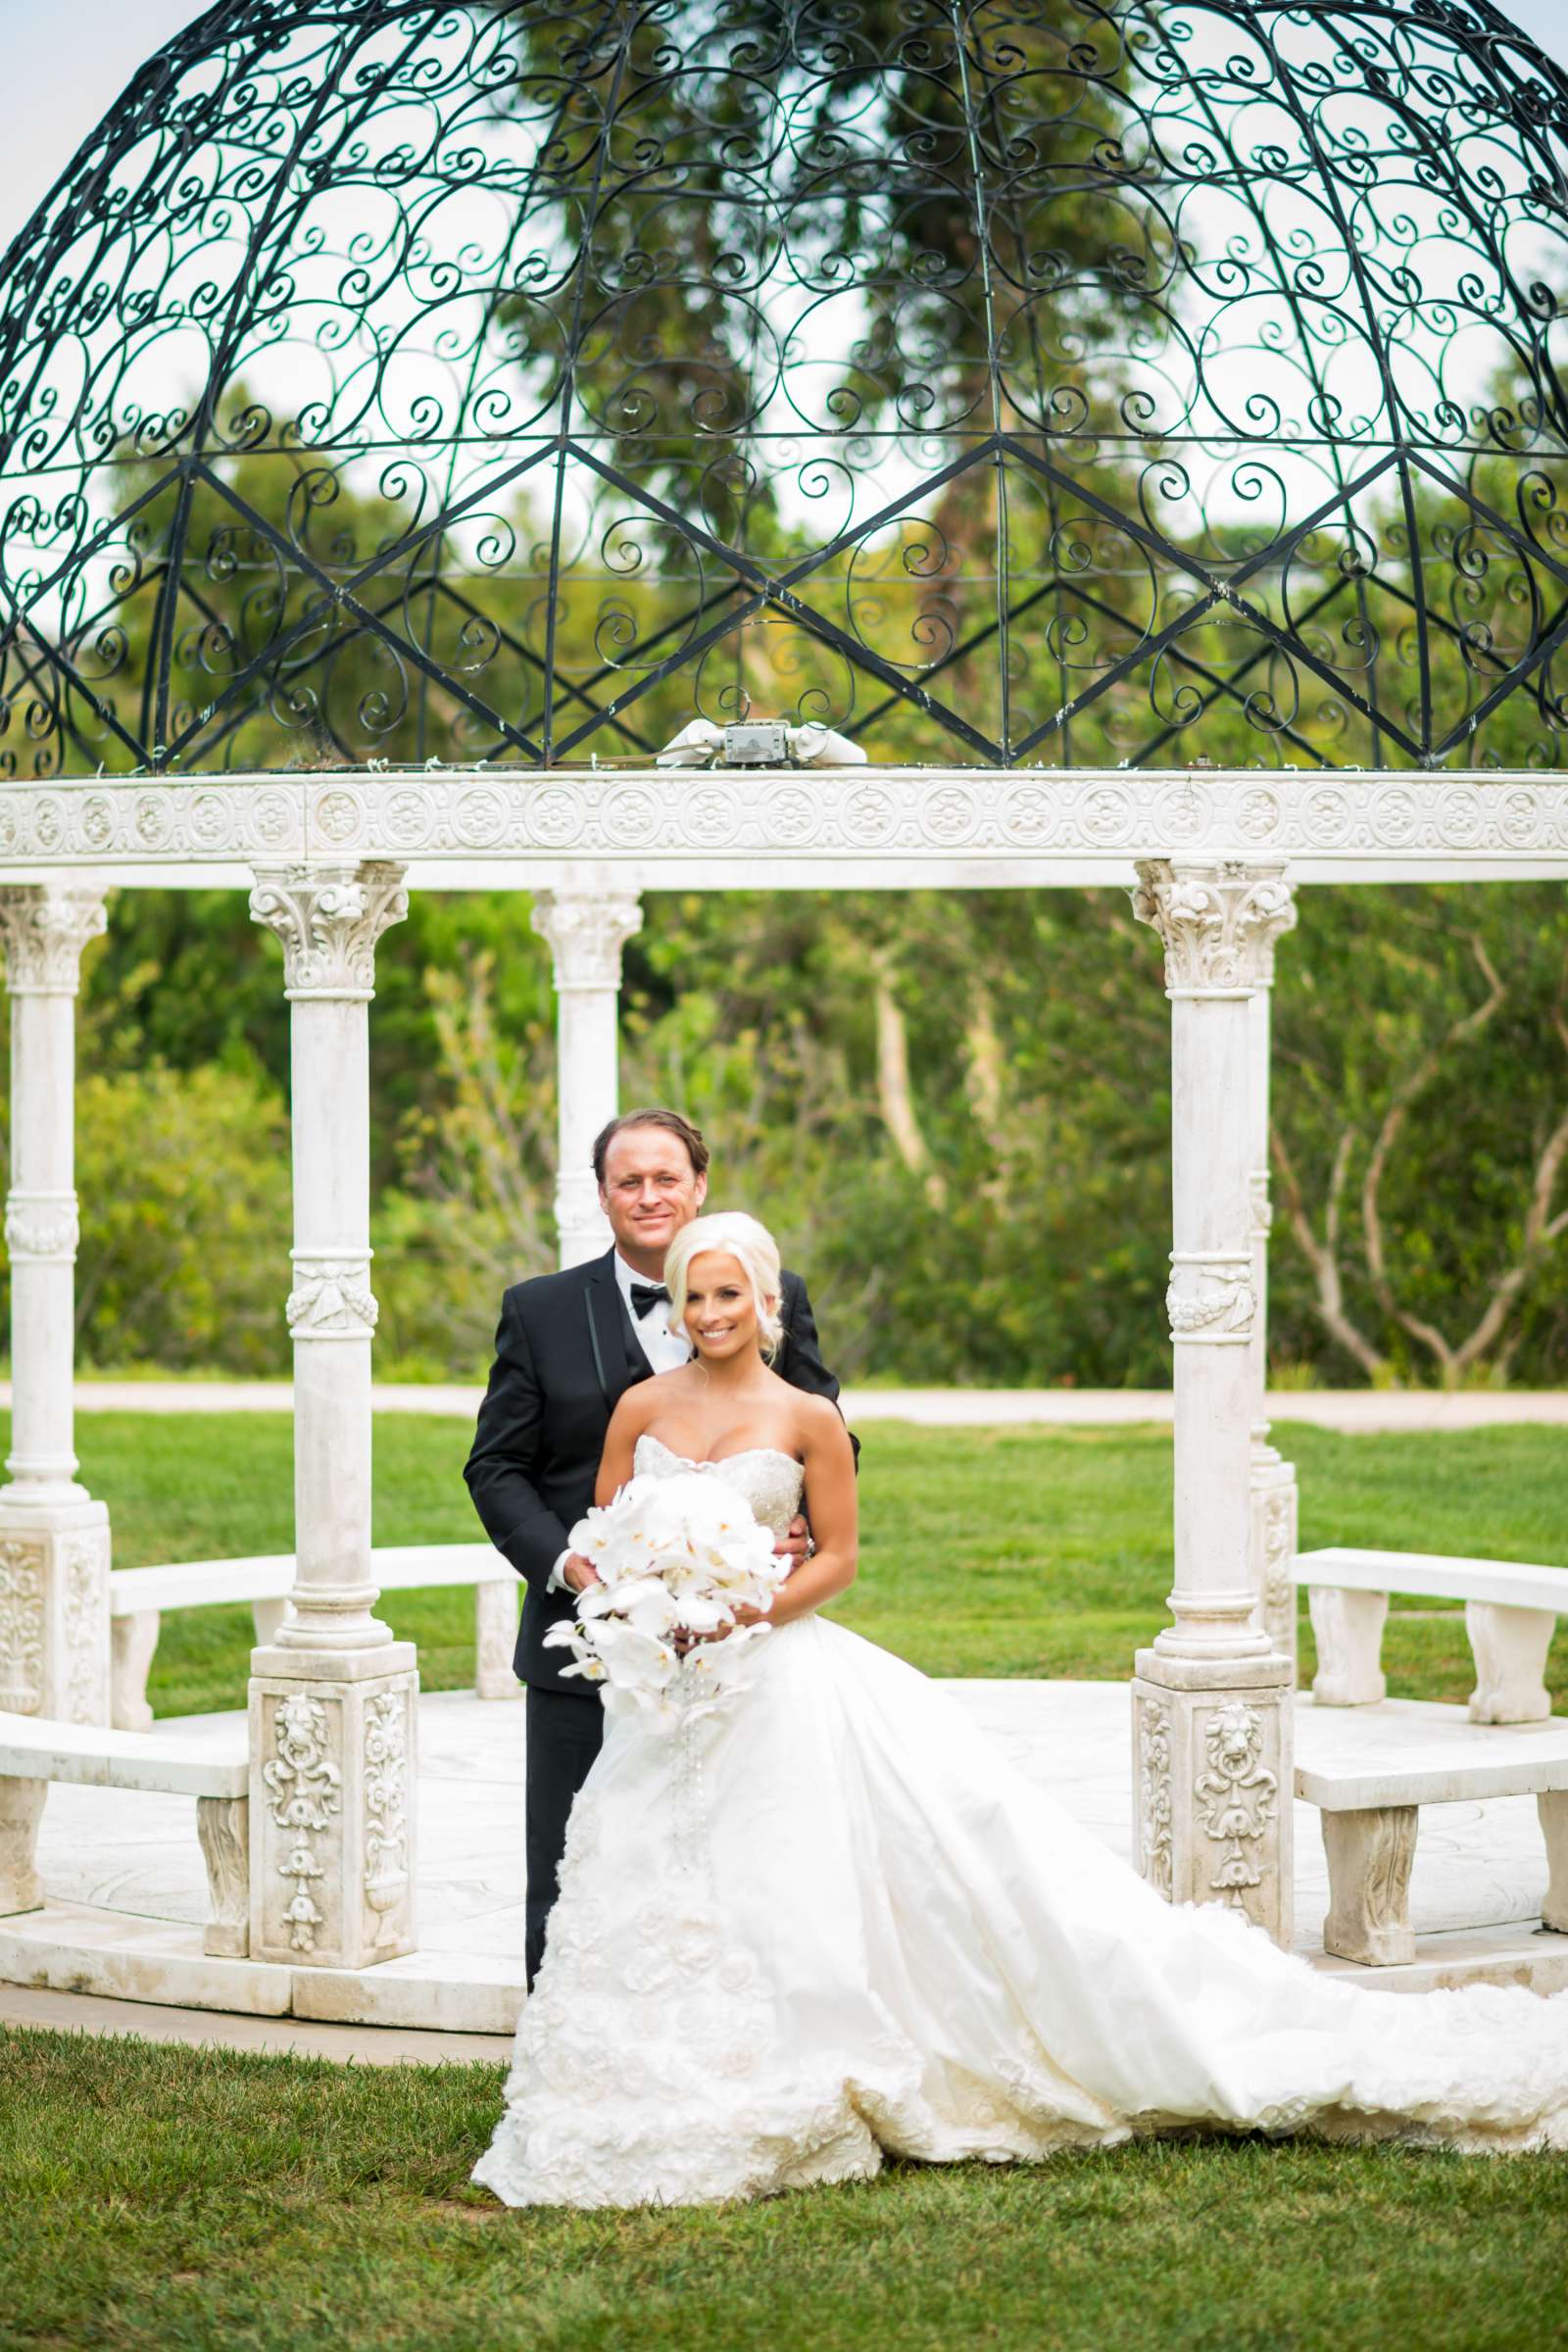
674 1555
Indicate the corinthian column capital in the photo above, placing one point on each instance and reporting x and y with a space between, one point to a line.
1217 924
586 931
43 929
329 919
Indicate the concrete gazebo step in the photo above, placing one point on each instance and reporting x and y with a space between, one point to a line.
128 1895
73 1948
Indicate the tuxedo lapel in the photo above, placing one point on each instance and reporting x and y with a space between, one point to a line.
619 1361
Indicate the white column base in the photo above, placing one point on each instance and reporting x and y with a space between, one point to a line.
54 1611
1275 1511
1213 1783
332 1759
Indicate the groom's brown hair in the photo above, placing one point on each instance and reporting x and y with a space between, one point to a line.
692 1136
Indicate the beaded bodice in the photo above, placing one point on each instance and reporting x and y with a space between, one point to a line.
770 1481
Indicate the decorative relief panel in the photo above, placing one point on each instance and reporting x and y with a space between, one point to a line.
386 1825
1279 1524
331 1298
822 813
1259 1205
586 936
1238 1798
43 1228
329 919
1210 1300
1154 1794
22 1626
303 1791
1218 923
43 929
84 1564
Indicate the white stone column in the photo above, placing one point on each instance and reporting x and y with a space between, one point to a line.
1274 1498
53 1538
331 1695
586 930
1211 1699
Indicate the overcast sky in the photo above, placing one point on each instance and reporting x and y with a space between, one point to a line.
67 60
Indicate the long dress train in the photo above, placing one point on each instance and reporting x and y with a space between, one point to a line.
828 1921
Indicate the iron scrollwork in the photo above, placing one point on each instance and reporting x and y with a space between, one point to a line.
1019 381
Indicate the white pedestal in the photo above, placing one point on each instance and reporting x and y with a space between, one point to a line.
332 1763
1211 1769
54 1611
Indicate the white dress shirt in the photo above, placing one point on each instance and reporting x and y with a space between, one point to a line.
665 1350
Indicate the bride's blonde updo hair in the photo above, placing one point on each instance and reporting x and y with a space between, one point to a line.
743 1239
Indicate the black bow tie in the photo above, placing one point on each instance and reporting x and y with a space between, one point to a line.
644 1294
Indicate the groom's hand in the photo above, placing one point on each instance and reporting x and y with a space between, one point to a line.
795 1544
579 1573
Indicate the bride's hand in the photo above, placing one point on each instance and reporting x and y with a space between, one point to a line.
683 1639
795 1544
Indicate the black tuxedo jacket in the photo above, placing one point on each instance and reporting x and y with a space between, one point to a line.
565 1355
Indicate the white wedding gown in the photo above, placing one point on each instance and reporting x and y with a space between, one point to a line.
828 1921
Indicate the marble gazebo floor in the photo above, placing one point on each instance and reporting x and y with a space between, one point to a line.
126 1892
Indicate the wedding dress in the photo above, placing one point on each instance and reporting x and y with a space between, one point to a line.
827 1921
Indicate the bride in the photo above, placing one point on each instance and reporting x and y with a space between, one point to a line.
827 1921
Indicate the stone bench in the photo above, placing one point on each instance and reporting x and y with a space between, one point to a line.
1371 1809
138 1597
1512 1610
35 1749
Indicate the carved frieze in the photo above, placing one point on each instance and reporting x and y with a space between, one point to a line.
331 1298
43 929
42 1228
1217 924
329 919
1210 1300
586 934
1033 818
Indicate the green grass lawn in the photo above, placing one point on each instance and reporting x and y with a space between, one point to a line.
163 2200
166 2200
1005 1551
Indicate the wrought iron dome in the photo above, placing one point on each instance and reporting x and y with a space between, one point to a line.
1010 380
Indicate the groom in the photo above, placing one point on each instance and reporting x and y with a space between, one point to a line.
568 1348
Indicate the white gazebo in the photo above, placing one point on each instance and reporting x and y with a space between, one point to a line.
409 419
